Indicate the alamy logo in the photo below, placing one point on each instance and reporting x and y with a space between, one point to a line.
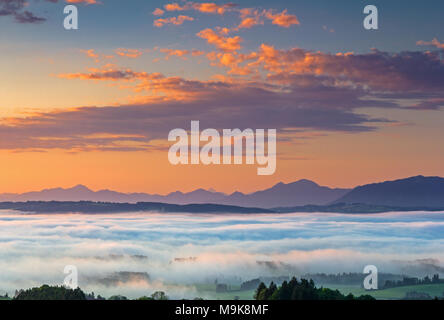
71 280
371 281
71 21
254 151
371 21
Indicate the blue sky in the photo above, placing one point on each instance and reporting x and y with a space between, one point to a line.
111 23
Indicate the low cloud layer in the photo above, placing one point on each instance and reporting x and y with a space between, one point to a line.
142 253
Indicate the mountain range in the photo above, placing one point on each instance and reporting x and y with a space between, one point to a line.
293 194
416 191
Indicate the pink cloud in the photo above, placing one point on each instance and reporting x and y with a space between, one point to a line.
219 41
434 43
158 12
206 7
282 19
173 20
129 53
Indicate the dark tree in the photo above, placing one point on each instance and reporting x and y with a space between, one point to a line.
46 292
301 290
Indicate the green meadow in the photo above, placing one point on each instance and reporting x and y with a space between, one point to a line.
434 290
208 291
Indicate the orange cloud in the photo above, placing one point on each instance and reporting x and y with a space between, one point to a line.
158 85
169 102
130 53
196 53
206 7
219 41
109 73
250 18
83 1
173 20
212 7
248 23
350 73
406 71
434 43
282 19
90 53
233 61
173 7
158 12
178 53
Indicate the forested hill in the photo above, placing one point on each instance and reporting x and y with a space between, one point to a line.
107 207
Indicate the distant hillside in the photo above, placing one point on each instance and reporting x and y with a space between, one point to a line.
298 193
83 193
103 207
416 191
354 208
302 192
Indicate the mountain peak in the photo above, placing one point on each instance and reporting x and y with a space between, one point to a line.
306 181
424 178
80 187
299 182
417 191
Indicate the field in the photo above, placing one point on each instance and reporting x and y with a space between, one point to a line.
208 291
434 290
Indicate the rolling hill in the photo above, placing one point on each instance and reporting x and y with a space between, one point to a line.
416 191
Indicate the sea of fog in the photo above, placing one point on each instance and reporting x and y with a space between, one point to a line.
172 252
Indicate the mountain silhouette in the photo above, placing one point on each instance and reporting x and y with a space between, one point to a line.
301 192
107 207
410 192
416 191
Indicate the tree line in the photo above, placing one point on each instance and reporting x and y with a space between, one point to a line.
301 290
47 292
411 281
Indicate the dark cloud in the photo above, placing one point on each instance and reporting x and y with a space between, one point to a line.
10 7
429 104
133 127
409 71
303 91
16 8
28 17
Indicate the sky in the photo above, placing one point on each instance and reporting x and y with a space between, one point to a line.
95 105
